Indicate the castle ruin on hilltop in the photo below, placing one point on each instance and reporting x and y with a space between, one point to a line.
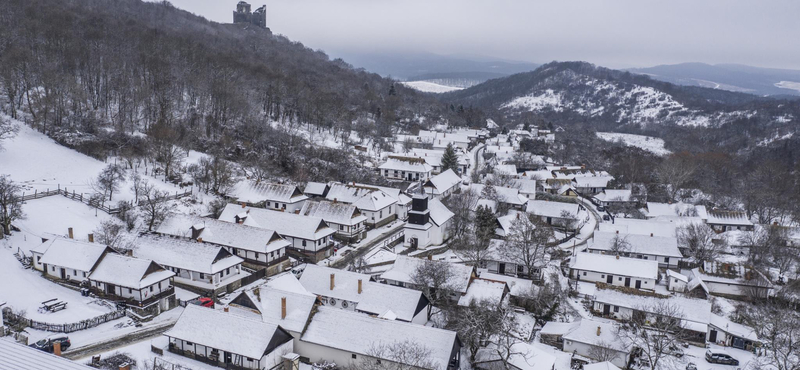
242 14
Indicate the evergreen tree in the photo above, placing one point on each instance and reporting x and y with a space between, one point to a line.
485 224
392 91
450 159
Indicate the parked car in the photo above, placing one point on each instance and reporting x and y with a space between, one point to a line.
721 358
606 218
691 366
203 302
47 344
298 270
601 208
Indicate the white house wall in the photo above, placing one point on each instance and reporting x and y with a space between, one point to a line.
619 280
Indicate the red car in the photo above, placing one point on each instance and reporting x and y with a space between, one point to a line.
203 301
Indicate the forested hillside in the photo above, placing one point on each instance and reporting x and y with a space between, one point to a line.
96 74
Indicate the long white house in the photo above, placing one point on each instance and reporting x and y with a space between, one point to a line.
614 270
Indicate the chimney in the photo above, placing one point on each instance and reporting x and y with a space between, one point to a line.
332 281
291 361
618 256
598 331
430 257
57 348
129 252
70 232
199 240
125 366
651 235
283 306
91 238
226 308
617 231
244 205
359 286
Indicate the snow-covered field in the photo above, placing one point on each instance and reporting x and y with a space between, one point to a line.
39 163
431 87
649 143
791 85
54 215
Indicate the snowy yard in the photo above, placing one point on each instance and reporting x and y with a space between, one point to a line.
54 215
648 143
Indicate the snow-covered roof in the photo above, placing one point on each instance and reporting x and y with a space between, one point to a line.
720 217
641 227
407 164
505 169
492 205
614 195
129 272
442 182
516 286
605 365
365 197
184 254
316 188
228 234
15 356
739 330
375 201
482 289
558 328
225 331
405 267
643 244
287 282
337 213
298 308
525 186
552 209
728 273
255 192
677 275
592 181
439 212
598 333
375 298
359 333
691 309
506 195
288 224
73 254
522 356
348 193
624 266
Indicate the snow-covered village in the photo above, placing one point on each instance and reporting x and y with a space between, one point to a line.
408 230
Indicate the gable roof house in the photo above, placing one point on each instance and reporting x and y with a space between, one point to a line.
256 245
309 237
15 356
141 284
428 222
404 268
348 338
442 185
558 214
316 189
374 203
354 291
722 220
485 290
68 259
345 218
615 196
659 248
403 200
510 196
223 339
614 270
519 356
277 197
731 280
590 334
200 267
498 263
591 184
405 168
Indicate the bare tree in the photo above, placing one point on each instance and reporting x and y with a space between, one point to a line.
619 245
462 205
543 302
404 355
528 243
7 129
10 204
778 326
109 179
676 171
656 332
110 233
154 205
435 280
699 242
604 351
478 323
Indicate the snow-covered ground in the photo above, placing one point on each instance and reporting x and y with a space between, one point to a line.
649 143
431 87
55 214
791 85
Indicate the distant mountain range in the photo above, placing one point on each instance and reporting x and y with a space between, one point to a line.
427 67
731 77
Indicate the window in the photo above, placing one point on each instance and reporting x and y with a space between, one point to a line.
616 308
151 288
228 271
202 275
130 291
603 276
353 355
189 343
84 274
379 361
268 204
38 258
341 227
619 279
52 268
666 259
584 273
74 272
304 243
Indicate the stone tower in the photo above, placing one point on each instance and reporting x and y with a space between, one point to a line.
243 14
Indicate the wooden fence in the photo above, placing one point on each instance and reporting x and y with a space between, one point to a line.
64 328
93 202
258 274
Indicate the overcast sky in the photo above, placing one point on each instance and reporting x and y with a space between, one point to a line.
613 33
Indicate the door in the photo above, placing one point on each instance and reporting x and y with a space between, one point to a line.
109 288
502 268
606 309
638 284
628 282
609 279
713 336
738 343
63 273
228 359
